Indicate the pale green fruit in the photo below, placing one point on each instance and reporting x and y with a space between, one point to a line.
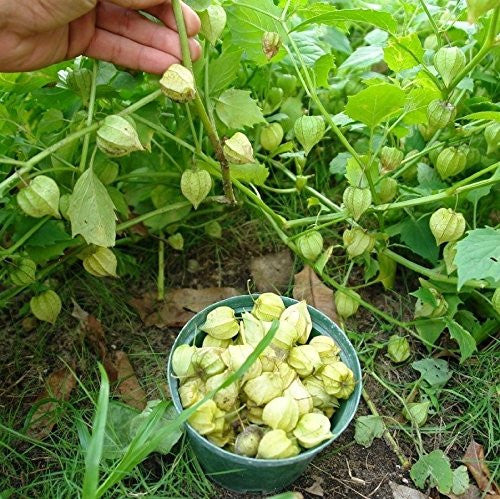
356 200
238 149
450 162
22 272
447 225
310 245
221 323
304 359
213 229
284 338
40 198
275 444
226 397
312 429
271 136
268 306
178 84
449 253
492 136
390 158
46 306
297 391
64 205
176 241
321 399
286 373
309 130
203 419
207 361
345 304
251 329
338 380
210 341
298 316
387 189
191 392
195 186
398 348
417 412
213 22
101 263
182 361
428 310
281 413
449 62
263 388
117 137
235 355
247 442
357 242
326 347
80 81
271 44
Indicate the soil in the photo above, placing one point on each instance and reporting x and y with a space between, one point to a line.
353 472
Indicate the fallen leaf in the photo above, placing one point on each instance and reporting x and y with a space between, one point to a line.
128 385
474 460
472 492
272 273
316 489
58 387
179 306
404 492
309 287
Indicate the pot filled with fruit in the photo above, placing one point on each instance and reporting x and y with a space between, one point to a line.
270 382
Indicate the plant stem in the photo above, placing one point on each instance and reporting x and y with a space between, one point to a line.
161 268
432 21
90 116
134 221
11 249
200 108
389 439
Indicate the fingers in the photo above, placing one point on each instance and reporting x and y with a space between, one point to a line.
119 50
130 24
165 14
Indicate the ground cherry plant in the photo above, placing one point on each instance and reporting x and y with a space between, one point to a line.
380 123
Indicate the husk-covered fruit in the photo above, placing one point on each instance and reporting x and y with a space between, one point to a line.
440 114
310 244
338 380
208 362
118 137
449 253
398 348
417 412
281 413
22 272
263 388
431 310
80 81
492 137
271 43
297 391
235 355
203 419
309 130
387 189
210 341
357 242
312 429
176 241
447 225
357 200
221 323
390 158
247 442
345 304
195 186
450 162
298 316
251 329
226 397
275 444
316 389
178 84
40 198
182 361
268 306
191 391
449 62
46 306
284 338
213 22
101 263
238 149
271 136
326 347
495 300
286 373
304 359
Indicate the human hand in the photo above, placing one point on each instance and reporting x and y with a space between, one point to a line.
37 33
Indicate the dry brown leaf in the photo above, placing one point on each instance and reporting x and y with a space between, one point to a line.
404 492
58 386
128 385
309 287
272 273
179 306
474 460
316 489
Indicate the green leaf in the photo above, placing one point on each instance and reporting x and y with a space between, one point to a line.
368 428
382 20
478 256
309 45
375 104
248 20
91 211
418 237
465 340
117 435
416 104
236 109
363 57
356 175
404 52
322 68
255 173
434 467
428 179
430 330
223 70
52 120
460 480
483 115
435 371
